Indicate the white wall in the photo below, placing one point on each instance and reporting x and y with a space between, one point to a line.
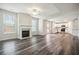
24 19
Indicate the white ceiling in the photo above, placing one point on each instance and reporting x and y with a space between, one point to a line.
47 10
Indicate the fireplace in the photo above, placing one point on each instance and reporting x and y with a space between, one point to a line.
25 33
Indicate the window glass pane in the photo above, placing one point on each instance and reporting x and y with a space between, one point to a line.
34 25
8 29
8 20
9 24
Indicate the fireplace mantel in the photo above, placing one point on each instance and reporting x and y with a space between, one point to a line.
24 28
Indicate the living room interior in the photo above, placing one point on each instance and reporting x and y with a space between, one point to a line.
39 28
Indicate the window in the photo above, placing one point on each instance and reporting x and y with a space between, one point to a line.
34 25
9 24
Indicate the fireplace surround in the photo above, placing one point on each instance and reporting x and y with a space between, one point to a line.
24 32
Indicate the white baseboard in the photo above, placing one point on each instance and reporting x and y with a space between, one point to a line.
7 39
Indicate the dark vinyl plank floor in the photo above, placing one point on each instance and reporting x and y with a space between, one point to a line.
50 44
